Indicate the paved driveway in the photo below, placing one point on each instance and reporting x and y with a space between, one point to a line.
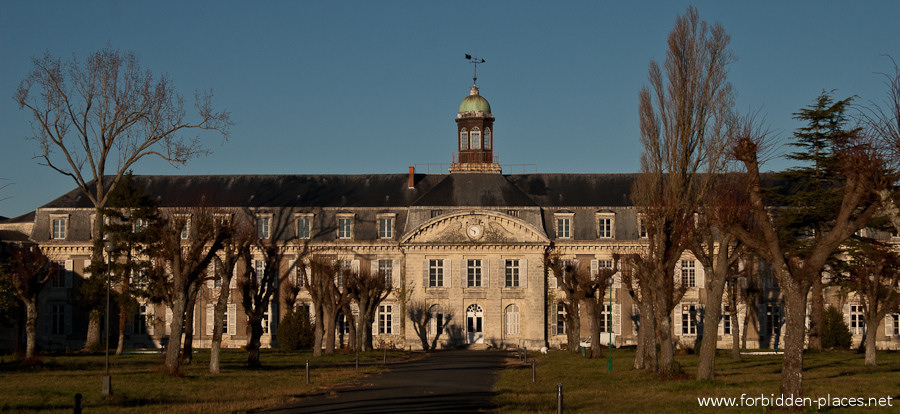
444 382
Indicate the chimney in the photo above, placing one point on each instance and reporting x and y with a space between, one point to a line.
412 177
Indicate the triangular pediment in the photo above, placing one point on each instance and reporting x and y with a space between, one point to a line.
486 227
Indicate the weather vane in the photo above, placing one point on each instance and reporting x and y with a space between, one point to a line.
474 61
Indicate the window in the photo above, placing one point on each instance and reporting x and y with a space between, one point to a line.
895 326
185 222
642 226
346 266
57 319
562 227
773 319
265 320
473 272
386 268
726 320
139 280
59 279
857 324
605 223
139 225
384 319
345 227
463 139
259 267
514 213
512 273
688 274
437 319
688 320
262 227
606 319
303 227
436 273
487 138
139 325
59 228
475 138
512 320
225 322
561 316
343 326
435 213
385 227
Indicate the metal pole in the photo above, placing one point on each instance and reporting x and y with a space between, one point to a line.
106 388
307 371
385 355
559 398
357 361
533 373
610 314
77 409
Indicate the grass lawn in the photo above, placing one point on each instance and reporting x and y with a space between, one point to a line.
140 386
588 387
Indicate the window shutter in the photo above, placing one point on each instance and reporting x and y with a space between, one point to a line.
701 275
676 319
487 274
210 318
448 275
888 325
554 317
70 264
678 279
292 271
395 320
232 319
761 318
523 273
617 280
617 318
635 318
234 276
375 321
168 320
308 276
84 270
425 273
373 266
551 281
395 274
354 266
595 268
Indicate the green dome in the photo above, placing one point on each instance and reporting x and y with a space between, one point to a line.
474 102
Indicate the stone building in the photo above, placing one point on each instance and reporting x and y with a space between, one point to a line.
469 246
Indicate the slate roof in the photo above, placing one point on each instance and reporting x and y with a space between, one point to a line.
378 190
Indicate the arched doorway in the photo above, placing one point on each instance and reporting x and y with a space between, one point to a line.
475 324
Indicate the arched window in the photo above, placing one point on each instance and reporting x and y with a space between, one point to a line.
476 138
487 138
512 320
463 139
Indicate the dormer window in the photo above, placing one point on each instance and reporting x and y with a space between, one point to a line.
487 138
476 138
463 139
60 224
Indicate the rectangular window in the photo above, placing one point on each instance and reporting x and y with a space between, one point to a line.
605 228
384 319
346 266
435 213
688 320
58 280
606 319
345 228
265 320
726 320
385 228
225 322
512 273
896 325
386 268
139 280
857 323
262 227
57 319
139 325
259 267
642 227
59 228
186 228
514 213
773 319
562 228
139 225
436 273
688 274
473 272
303 224
561 315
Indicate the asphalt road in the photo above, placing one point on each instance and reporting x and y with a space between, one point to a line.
442 382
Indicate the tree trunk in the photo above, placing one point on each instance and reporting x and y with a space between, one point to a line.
594 313
329 326
31 316
188 355
319 332
573 326
817 315
354 339
715 288
256 332
123 320
666 343
173 348
92 342
871 327
735 333
215 348
649 327
794 335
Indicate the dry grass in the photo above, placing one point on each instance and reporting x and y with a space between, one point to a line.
588 387
139 386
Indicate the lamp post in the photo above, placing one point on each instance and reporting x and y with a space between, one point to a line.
108 247
609 283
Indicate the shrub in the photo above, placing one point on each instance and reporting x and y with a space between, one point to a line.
835 333
295 330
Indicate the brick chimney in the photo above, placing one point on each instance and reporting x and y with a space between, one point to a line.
412 177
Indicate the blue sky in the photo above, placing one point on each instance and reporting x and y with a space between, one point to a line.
354 87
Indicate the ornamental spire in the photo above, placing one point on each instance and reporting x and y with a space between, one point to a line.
474 61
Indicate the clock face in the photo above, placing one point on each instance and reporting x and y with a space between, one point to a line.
474 232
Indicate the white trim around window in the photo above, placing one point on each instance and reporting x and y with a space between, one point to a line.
59 226
563 224
344 223
606 225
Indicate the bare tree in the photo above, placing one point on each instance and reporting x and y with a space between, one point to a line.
684 114
595 292
421 316
182 264
236 246
328 298
861 177
89 115
575 282
636 279
874 275
368 289
28 271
